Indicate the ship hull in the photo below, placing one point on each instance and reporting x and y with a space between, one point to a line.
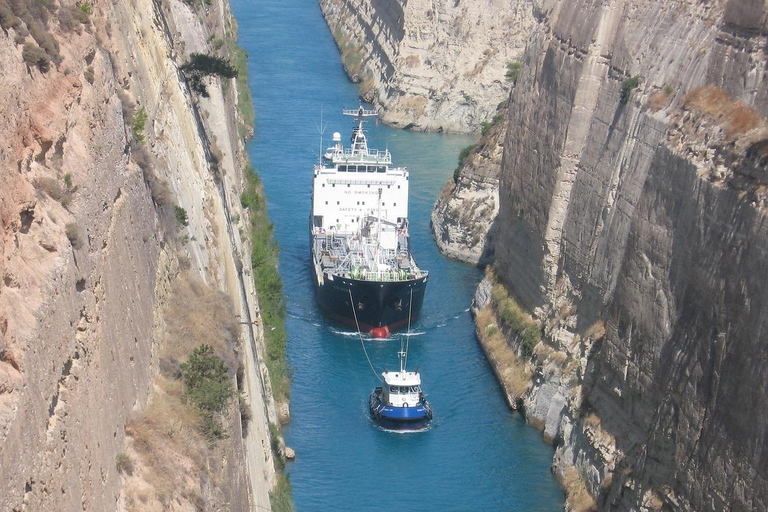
377 304
413 417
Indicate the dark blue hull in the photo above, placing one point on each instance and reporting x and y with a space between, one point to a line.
376 303
411 417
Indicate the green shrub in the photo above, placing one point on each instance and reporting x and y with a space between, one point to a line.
182 218
280 498
488 125
463 154
124 464
626 88
516 319
513 71
244 100
201 66
668 90
138 124
207 386
269 285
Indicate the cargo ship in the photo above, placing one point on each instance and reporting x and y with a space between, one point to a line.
364 273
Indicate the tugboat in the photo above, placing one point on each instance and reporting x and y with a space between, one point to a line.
399 403
365 274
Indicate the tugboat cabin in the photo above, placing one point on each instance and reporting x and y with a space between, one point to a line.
402 389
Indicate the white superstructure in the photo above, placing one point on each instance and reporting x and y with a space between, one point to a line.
359 218
402 388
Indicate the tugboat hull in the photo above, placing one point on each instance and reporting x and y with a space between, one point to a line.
409 417
379 305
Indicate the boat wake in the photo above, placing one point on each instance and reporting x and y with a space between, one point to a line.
368 337
419 430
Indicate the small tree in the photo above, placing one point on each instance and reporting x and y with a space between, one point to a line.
513 71
181 216
201 66
207 386
138 124
626 88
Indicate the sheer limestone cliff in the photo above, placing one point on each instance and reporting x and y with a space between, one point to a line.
430 65
104 146
633 226
464 215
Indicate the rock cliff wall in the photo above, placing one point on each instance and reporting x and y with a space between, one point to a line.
430 65
633 224
90 244
464 217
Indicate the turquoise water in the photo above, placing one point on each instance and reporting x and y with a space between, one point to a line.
477 454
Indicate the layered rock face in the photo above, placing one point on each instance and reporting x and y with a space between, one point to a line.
633 222
89 243
430 65
464 217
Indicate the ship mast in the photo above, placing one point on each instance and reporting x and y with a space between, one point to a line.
321 131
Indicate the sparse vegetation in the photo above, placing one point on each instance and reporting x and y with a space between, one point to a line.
488 125
52 187
72 234
280 498
626 88
513 71
668 90
463 154
138 124
244 101
517 373
34 55
201 66
32 17
89 75
208 387
512 315
124 464
735 117
182 218
268 284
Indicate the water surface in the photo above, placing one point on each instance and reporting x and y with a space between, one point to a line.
477 455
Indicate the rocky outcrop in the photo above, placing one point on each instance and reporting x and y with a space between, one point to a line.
464 215
632 223
90 241
430 65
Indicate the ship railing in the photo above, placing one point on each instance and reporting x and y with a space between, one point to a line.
354 112
394 275
378 183
378 155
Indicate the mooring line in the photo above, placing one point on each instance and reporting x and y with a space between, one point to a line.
360 335
408 337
